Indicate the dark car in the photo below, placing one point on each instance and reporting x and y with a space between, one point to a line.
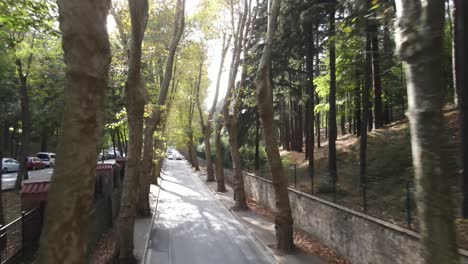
34 163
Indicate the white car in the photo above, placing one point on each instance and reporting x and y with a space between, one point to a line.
47 157
9 165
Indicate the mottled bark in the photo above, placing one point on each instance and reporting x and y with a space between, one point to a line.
87 58
220 186
419 44
153 121
230 111
282 213
135 100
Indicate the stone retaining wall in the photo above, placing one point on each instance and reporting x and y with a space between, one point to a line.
358 237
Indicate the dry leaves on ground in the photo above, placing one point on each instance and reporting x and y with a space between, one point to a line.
106 249
303 241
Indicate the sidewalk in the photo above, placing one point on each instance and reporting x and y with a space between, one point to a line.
261 228
143 225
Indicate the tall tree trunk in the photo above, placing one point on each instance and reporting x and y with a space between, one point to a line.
317 99
308 21
420 33
461 59
220 186
135 100
205 128
377 106
2 145
70 196
282 214
25 122
365 119
453 33
257 141
332 98
153 122
357 98
343 120
230 112
219 158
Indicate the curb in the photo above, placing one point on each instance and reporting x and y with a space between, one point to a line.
241 221
145 251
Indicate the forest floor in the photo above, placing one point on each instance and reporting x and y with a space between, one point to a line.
389 181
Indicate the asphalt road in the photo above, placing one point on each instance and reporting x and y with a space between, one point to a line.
192 227
8 179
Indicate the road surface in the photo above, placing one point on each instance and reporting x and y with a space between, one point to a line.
8 179
191 226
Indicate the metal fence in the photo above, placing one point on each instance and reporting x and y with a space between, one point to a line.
371 195
20 238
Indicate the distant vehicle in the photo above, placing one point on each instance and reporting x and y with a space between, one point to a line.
170 156
47 157
179 157
110 154
34 163
9 165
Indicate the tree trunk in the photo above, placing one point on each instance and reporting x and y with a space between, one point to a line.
25 124
461 59
70 196
205 128
332 99
282 214
230 112
453 30
365 119
373 28
310 88
221 187
318 119
257 142
154 120
135 100
343 120
357 99
420 32
193 152
2 145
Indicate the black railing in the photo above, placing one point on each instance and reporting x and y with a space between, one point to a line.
366 197
20 238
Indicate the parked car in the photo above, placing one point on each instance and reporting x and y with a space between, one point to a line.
170 156
34 163
9 165
179 157
110 154
47 158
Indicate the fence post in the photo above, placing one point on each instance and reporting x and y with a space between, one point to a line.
334 189
408 205
295 176
23 234
364 194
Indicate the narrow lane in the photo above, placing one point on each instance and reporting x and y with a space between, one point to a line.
192 227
